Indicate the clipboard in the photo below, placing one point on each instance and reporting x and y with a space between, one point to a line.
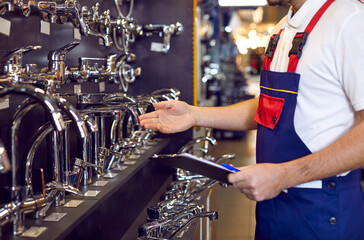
194 164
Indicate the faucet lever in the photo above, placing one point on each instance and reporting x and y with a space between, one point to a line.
59 54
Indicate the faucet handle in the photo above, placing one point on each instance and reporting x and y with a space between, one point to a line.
59 54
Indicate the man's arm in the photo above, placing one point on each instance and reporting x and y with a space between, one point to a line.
239 116
264 181
177 116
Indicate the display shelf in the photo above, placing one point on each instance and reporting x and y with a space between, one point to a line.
110 213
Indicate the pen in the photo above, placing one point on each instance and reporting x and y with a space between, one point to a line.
230 167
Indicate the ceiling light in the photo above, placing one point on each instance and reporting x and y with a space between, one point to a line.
242 3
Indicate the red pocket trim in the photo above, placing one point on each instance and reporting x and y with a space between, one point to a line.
269 111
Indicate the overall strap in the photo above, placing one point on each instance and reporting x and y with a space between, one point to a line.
270 50
301 37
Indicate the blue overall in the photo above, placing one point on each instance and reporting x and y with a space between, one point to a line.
335 211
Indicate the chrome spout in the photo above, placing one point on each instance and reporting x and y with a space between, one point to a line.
189 145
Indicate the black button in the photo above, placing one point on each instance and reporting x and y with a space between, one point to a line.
332 220
331 185
260 113
274 119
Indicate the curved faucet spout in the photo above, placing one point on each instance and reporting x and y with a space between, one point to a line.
73 113
51 108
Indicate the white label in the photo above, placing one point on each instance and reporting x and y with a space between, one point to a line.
77 88
100 183
4 103
5 26
102 86
110 175
73 203
45 27
101 41
76 34
129 162
156 47
55 217
91 193
120 168
34 232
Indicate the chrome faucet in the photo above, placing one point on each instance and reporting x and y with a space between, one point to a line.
11 64
171 227
127 74
94 73
92 17
55 116
204 149
167 31
62 168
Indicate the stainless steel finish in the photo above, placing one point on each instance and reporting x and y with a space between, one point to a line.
171 227
92 17
189 145
11 62
57 63
167 31
126 73
55 116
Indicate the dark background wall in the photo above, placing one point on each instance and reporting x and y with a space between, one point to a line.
159 70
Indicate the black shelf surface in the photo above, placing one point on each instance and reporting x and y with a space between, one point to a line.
111 212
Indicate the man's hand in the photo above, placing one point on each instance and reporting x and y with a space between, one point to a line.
259 181
170 117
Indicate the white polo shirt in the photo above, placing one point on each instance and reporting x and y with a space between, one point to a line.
331 86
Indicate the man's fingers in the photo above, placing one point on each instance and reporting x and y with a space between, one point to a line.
148 115
163 104
235 177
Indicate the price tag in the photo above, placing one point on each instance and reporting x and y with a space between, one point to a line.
73 203
100 183
110 175
129 162
91 193
120 168
77 88
45 27
5 26
156 47
4 103
76 34
101 41
34 232
55 217
102 86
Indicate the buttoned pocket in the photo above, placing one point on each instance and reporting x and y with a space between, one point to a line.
269 111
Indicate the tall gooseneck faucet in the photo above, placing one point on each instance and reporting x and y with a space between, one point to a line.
56 119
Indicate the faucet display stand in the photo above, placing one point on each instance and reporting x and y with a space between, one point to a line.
110 213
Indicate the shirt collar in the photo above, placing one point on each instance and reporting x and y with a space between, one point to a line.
304 15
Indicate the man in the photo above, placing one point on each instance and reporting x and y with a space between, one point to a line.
310 124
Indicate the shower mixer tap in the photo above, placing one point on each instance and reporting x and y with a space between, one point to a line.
165 31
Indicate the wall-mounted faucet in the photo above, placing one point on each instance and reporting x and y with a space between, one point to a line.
165 31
